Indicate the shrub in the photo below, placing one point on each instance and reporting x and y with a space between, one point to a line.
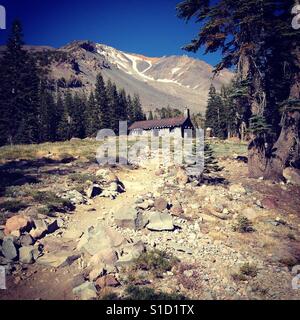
246 270
155 261
243 225
136 293
12 206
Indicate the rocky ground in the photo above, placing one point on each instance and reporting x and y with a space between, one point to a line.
72 230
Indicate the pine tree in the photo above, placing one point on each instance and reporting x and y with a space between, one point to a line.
113 103
210 162
92 117
253 36
47 116
150 115
18 92
137 108
77 112
122 106
215 114
62 124
130 110
102 103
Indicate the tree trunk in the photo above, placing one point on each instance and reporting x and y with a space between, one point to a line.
269 162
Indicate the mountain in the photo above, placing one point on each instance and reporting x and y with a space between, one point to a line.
177 81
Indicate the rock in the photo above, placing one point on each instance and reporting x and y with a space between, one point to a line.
292 175
237 188
107 175
58 259
100 238
130 253
17 223
176 209
144 205
250 213
160 204
269 203
105 256
74 197
41 229
26 240
126 218
93 191
159 221
188 273
26 254
9 250
97 272
86 291
182 177
107 281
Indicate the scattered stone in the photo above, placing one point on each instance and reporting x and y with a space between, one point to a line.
269 203
177 209
292 175
126 218
100 238
130 253
26 240
19 223
188 273
74 197
26 254
182 177
9 250
93 191
97 272
58 259
86 291
160 221
107 281
41 229
160 204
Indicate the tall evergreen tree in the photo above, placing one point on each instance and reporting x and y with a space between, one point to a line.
18 92
215 114
92 116
77 116
130 110
102 103
113 103
253 36
137 108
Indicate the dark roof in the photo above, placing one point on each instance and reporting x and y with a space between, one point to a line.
159 123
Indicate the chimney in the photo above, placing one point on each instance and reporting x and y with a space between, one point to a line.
187 113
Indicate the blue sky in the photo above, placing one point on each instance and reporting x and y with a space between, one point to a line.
145 27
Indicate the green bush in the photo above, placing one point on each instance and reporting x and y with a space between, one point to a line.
243 225
136 293
12 206
155 261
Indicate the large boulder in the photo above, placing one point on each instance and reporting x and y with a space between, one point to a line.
26 254
100 238
160 221
74 196
130 253
9 249
86 291
126 218
58 259
292 175
19 223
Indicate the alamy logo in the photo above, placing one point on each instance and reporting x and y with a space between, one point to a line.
2 278
2 17
296 19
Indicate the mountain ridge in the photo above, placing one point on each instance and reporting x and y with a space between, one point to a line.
175 81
